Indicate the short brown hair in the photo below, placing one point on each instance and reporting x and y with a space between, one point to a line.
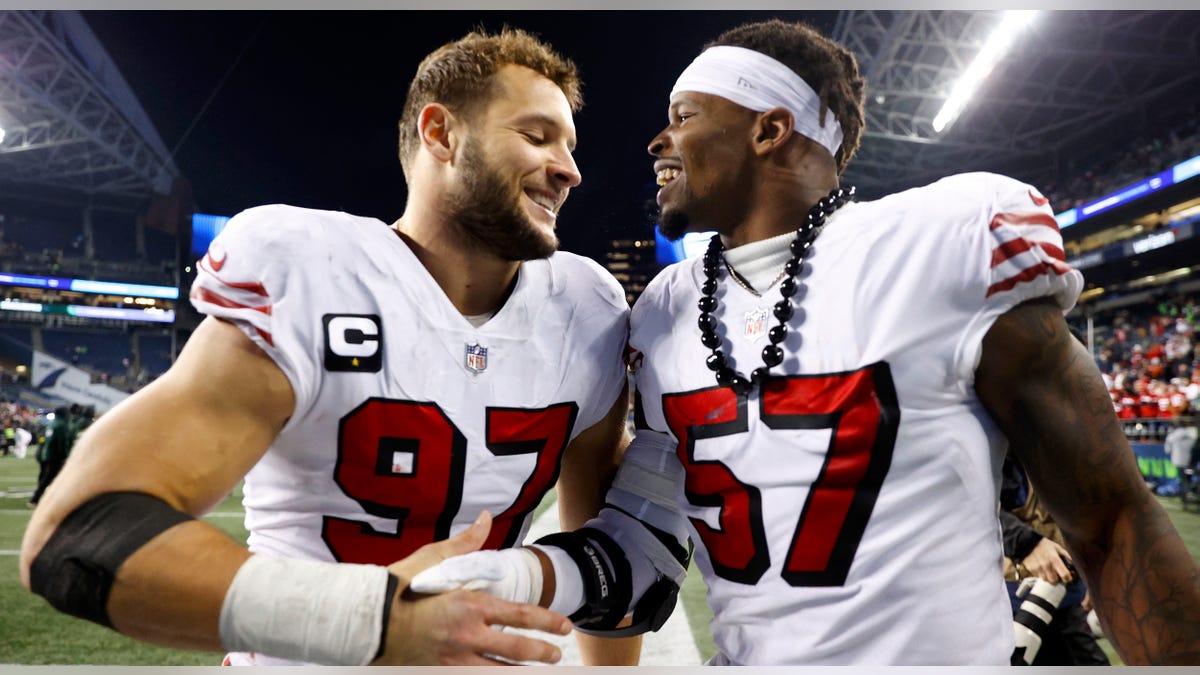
459 76
829 68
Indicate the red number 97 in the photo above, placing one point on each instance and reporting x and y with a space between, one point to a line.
405 461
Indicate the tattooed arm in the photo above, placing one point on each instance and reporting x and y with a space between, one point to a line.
1043 389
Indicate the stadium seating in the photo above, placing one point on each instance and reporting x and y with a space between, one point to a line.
16 342
101 352
155 352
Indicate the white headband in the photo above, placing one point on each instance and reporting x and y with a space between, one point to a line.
756 81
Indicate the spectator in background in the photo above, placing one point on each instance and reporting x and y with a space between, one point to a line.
82 419
24 437
10 435
1034 546
1180 447
53 453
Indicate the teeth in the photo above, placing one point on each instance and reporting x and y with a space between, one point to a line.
667 175
543 201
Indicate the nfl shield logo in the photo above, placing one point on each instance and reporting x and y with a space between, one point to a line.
476 358
756 324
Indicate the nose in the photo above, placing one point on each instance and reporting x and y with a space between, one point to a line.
564 172
658 144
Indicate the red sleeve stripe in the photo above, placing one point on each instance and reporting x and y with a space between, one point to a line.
1027 218
201 294
265 336
1015 247
1028 274
254 287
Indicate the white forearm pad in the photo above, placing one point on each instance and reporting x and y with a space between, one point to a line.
648 484
568 585
647 557
319 612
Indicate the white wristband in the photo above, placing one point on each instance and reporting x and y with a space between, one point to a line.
568 585
318 612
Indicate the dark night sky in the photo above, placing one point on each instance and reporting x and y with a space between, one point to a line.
308 116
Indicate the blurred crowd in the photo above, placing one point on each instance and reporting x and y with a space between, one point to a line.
1147 356
1083 182
20 427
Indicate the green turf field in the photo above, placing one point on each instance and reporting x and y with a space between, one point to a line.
33 633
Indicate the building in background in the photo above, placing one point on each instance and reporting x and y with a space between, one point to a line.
633 263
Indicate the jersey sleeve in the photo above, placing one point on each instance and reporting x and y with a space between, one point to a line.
1018 256
653 316
605 330
251 277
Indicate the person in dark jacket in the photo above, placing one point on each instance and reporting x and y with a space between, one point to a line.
53 453
1033 547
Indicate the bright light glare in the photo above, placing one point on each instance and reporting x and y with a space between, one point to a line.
2 134
997 45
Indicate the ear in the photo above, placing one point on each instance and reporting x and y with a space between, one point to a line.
433 126
772 130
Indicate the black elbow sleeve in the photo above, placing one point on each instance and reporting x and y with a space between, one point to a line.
74 571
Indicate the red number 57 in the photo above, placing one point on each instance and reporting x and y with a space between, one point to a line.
861 409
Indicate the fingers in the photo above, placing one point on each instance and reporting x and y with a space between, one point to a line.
461 628
1062 551
522 648
519 615
429 555
1060 562
480 618
1061 570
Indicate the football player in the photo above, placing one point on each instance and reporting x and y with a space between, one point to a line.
837 469
381 388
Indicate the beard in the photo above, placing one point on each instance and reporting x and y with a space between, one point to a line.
488 212
673 224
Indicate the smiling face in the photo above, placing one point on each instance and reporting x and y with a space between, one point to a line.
702 162
515 167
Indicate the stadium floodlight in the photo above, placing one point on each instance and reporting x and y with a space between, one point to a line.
1 134
997 45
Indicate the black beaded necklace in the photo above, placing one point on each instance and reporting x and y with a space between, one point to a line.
772 354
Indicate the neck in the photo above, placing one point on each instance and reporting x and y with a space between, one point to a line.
475 281
783 195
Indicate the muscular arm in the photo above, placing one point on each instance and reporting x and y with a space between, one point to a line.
186 439
587 471
1044 391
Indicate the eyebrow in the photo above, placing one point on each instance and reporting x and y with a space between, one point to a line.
547 121
674 106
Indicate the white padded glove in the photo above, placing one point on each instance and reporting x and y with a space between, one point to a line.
513 574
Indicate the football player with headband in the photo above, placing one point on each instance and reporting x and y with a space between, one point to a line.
825 397
393 394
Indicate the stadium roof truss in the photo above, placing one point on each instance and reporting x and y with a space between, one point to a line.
1073 75
71 121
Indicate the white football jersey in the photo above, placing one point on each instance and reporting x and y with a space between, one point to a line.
848 514
409 421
